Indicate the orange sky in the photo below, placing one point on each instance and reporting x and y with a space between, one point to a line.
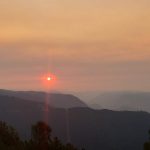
92 44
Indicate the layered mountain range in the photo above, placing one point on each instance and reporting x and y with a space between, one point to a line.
75 122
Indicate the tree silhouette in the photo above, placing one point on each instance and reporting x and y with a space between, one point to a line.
70 147
9 139
56 144
41 133
147 144
40 139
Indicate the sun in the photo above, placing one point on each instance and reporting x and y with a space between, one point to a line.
49 78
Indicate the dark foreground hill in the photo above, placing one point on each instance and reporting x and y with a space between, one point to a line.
84 127
55 99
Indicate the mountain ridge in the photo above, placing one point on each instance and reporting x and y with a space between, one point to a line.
134 101
55 99
88 128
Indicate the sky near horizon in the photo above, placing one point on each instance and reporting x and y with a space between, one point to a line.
92 45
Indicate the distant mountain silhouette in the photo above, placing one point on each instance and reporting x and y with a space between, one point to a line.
132 101
84 127
55 99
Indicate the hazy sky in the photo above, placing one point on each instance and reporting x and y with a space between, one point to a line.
87 44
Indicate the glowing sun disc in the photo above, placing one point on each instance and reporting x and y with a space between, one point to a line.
49 78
